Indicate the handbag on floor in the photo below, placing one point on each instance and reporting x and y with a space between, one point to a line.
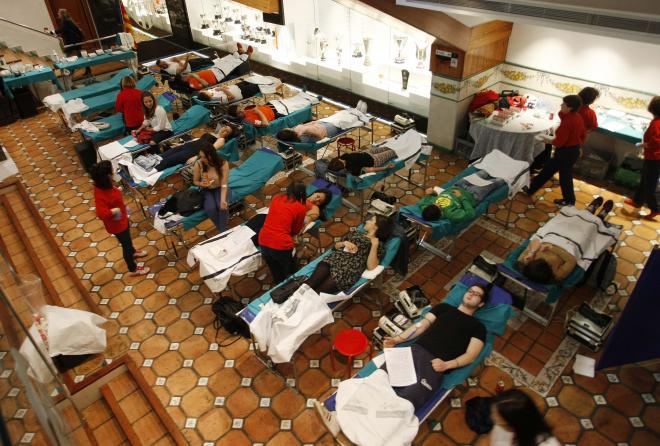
225 310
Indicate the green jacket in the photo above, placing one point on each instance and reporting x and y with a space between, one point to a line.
453 208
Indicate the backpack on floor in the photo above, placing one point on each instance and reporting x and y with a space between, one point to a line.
226 310
601 273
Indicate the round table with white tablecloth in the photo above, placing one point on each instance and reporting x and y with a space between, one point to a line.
516 138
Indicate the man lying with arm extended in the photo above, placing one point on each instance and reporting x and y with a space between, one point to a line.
448 338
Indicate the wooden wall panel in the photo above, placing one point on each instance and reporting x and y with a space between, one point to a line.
488 46
270 6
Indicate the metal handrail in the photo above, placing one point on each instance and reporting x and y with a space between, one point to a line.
91 41
28 27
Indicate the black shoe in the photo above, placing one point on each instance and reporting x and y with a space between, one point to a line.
526 190
595 204
561 202
607 207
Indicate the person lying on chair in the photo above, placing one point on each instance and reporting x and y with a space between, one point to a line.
314 131
316 204
187 152
182 64
545 262
351 256
221 68
447 338
457 202
232 93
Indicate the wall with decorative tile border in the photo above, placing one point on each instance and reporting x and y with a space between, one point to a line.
549 87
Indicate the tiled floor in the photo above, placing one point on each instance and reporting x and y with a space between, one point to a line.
224 395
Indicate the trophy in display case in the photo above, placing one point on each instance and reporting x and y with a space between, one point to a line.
204 23
218 11
366 41
405 75
400 41
420 54
227 13
323 47
357 50
217 29
237 16
262 35
338 48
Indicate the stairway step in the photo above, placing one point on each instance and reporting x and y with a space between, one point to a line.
121 416
104 426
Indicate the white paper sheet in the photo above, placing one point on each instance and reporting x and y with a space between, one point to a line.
111 150
131 143
400 366
584 366
379 361
477 180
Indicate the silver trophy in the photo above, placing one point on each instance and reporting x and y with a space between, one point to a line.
420 54
217 30
204 23
227 13
400 42
405 75
338 49
237 16
218 11
366 41
323 46
357 50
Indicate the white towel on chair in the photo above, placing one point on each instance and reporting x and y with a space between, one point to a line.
281 329
71 107
580 233
138 173
371 414
267 84
408 146
54 101
295 103
499 165
347 119
229 253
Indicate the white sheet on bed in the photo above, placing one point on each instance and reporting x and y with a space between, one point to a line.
500 165
54 101
227 254
347 119
580 233
111 150
138 173
371 414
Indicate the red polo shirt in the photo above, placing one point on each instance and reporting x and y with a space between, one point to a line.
106 199
652 140
285 219
129 102
589 117
571 131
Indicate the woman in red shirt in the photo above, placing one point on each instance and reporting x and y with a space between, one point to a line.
588 96
110 208
129 104
568 137
645 193
285 220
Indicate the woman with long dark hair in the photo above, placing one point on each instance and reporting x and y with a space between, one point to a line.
210 172
518 422
155 120
285 219
110 208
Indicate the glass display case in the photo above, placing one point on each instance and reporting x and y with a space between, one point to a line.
355 48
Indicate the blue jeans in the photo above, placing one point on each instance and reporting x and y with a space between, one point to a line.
218 216
128 251
480 192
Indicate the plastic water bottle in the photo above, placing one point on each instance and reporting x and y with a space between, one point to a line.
56 57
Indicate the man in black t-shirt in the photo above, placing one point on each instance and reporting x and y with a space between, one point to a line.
448 338
356 163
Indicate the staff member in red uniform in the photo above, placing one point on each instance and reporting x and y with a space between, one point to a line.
645 193
568 137
129 104
588 96
285 219
110 208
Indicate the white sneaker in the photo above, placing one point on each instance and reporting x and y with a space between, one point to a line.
328 418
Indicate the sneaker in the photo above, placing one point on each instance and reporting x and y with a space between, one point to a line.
631 202
595 204
607 207
651 216
561 202
140 254
328 418
140 271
